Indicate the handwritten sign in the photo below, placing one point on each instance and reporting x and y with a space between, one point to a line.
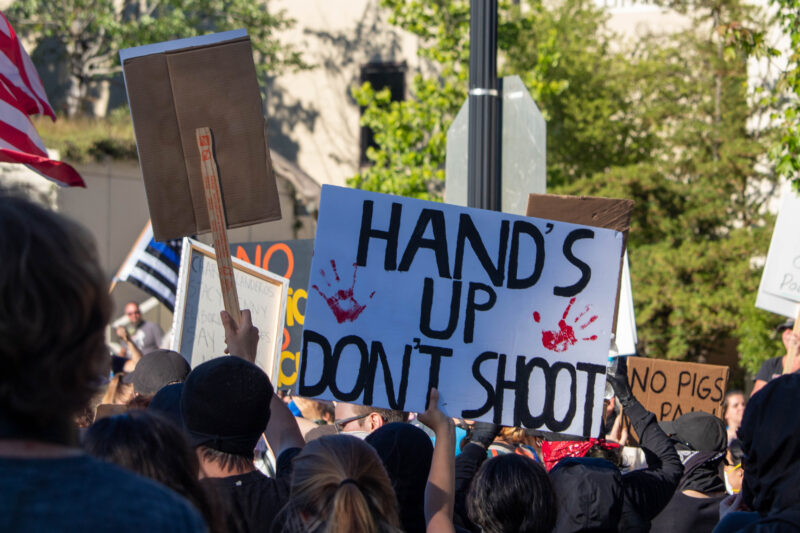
198 332
671 388
290 259
508 316
779 291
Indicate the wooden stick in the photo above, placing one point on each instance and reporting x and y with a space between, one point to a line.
216 217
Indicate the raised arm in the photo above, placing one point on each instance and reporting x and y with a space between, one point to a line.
440 490
282 431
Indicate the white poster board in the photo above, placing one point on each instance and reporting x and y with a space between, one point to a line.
509 317
626 338
197 328
779 291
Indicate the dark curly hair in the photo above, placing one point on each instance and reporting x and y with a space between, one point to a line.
54 306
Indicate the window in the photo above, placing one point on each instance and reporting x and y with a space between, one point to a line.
380 76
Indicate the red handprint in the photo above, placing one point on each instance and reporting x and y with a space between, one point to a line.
559 341
342 303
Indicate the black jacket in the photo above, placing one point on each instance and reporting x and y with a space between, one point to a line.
649 490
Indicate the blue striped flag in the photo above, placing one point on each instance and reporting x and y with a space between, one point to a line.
153 267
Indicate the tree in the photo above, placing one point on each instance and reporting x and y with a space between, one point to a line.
787 152
91 32
663 122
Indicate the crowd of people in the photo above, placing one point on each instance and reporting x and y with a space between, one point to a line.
163 447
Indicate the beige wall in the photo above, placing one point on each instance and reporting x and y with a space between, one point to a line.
312 119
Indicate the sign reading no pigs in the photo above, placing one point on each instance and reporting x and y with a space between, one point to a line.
671 388
508 316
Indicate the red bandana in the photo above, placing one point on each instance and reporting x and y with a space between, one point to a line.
554 451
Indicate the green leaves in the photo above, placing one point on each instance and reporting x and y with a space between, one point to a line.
663 121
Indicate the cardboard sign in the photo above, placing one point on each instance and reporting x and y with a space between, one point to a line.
174 88
197 328
290 259
779 291
672 388
508 316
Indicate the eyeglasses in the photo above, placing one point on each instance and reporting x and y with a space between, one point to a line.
341 423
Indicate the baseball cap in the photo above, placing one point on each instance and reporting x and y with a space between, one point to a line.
786 324
225 405
157 369
702 432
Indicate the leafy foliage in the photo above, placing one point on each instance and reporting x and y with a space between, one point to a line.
663 121
91 32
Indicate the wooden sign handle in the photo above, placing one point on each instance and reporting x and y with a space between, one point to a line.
216 217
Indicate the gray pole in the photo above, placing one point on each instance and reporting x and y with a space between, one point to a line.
483 148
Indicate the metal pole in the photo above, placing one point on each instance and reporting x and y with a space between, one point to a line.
483 174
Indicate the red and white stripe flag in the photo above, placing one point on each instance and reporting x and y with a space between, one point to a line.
22 94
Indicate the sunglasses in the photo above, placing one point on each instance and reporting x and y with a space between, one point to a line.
342 422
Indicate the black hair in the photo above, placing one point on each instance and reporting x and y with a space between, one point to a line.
512 493
150 445
227 461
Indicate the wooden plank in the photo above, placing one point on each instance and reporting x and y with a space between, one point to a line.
216 216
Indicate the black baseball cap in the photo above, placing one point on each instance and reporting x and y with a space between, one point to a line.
702 432
225 405
157 369
786 324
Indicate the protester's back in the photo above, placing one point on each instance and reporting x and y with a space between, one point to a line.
54 306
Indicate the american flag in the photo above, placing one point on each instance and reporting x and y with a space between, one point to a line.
153 267
21 95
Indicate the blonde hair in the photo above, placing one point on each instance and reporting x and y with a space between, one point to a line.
339 485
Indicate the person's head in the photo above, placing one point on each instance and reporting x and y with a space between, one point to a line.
589 495
364 419
406 452
156 370
167 402
152 446
733 408
133 313
785 331
511 493
734 473
697 431
54 306
339 485
769 437
225 405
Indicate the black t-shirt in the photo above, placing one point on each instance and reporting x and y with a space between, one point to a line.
252 501
687 514
770 369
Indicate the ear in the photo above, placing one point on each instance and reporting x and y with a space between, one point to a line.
374 421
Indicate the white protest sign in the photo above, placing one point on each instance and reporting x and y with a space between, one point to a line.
779 291
626 337
509 317
197 327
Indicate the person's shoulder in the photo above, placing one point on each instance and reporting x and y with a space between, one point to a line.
125 494
88 494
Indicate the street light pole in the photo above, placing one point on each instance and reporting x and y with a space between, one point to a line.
483 170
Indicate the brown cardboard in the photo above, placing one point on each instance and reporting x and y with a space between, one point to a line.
609 213
173 93
671 388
